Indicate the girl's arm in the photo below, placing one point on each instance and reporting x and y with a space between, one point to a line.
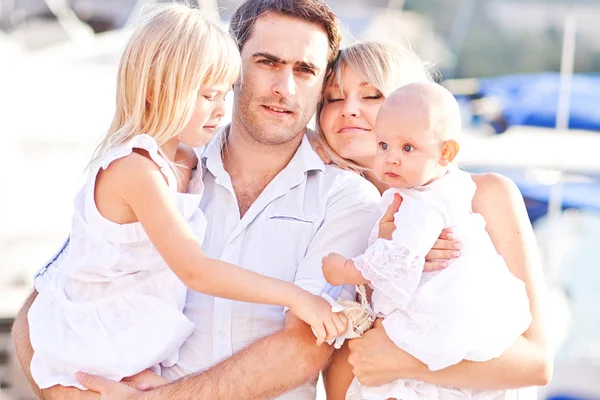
140 185
527 362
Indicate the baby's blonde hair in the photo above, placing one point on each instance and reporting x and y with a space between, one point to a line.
383 66
172 53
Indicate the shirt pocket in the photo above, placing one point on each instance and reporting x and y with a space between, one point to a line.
288 237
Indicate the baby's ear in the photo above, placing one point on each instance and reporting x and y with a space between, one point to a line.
449 151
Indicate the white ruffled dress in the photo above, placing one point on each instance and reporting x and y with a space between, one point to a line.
471 310
116 307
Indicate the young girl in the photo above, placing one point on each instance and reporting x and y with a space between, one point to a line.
116 307
475 308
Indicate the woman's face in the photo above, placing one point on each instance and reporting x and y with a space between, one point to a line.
348 117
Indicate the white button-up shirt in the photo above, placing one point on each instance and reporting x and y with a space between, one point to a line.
307 211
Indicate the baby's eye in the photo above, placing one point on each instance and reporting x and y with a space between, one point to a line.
407 148
383 145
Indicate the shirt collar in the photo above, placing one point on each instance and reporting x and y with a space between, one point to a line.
305 159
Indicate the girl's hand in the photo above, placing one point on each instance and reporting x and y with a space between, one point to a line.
316 311
333 269
146 379
444 249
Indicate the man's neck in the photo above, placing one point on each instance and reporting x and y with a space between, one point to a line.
247 159
253 165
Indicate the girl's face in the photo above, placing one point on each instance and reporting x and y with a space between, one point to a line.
210 108
348 117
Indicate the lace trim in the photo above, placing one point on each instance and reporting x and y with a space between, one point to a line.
394 271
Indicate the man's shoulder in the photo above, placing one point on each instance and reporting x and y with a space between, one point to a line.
349 182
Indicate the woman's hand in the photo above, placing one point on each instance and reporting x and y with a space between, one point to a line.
444 249
317 312
376 360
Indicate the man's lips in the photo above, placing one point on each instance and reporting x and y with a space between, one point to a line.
277 109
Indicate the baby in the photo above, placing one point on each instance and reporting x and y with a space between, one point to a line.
474 308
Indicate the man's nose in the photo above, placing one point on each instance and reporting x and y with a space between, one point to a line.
285 86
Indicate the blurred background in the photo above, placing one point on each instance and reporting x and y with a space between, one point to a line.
525 72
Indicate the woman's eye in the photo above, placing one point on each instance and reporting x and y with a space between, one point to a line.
334 100
384 146
376 97
408 148
209 98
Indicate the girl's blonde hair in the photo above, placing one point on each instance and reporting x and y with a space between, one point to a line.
172 53
383 66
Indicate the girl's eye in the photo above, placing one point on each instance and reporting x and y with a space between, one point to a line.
384 146
408 148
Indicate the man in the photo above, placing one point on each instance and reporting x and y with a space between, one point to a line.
272 207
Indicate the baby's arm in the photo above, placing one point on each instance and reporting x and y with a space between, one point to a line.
142 187
395 266
338 270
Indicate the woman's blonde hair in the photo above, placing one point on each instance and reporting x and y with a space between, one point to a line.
383 66
172 53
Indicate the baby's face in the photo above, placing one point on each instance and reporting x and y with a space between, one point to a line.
408 151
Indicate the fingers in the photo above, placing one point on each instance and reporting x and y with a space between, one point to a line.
320 333
436 265
447 234
143 386
442 255
93 382
378 323
341 323
392 209
331 330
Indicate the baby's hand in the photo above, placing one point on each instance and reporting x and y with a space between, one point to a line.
333 269
316 311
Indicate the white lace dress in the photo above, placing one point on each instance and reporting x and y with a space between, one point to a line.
472 310
115 308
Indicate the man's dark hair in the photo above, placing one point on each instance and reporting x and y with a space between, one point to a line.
315 12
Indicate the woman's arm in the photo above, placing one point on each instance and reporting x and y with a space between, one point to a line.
527 362
140 184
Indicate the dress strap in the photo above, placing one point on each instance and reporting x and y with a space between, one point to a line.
146 142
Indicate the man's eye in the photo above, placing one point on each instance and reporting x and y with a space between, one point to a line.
307 71
408 148
383 145
267 62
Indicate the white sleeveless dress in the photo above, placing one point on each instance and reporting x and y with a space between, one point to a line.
115 308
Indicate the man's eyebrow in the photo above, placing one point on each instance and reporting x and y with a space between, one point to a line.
274 58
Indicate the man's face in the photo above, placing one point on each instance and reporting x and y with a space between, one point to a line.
283 66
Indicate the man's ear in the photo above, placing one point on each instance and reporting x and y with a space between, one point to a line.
449 151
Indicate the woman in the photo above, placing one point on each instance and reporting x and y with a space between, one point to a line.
362 76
